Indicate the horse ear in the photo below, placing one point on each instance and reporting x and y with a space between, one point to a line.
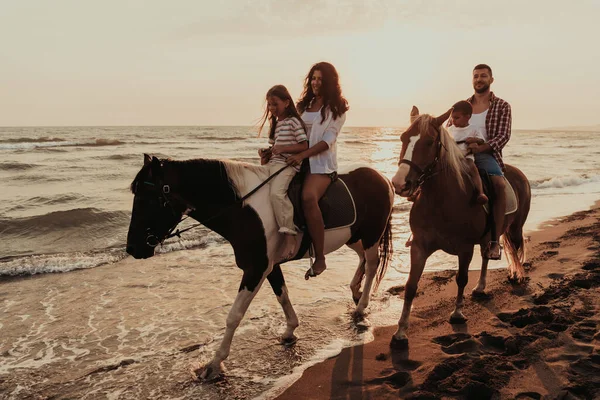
147 159
414 113
155 167
440 120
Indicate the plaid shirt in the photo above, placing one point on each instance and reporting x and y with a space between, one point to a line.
497 125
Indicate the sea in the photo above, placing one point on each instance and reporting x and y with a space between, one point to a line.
65 207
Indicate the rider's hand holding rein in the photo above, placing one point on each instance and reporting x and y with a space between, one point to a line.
476 145
265 155
297 159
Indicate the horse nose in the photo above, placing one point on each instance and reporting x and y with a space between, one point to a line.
398 185
398 188
130 250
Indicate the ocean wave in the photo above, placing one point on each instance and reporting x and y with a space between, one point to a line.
224 138
46 201
60 220
119 157
58 143
16 166
47 263
43 139
564 181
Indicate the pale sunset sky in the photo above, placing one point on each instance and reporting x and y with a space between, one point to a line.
190 62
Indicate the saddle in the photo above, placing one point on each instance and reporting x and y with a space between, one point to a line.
337 205
512 204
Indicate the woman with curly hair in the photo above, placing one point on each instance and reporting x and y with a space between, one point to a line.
323 110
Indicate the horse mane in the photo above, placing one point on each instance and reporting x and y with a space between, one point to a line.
237 173
451 156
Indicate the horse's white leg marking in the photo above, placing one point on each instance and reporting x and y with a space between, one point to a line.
417 263
399 180
239 308
360 270
464 260
480 288
290 316
372 257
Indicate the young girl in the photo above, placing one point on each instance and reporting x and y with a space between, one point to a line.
287 136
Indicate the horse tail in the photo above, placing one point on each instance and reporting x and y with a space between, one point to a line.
386 248
513 240
514 245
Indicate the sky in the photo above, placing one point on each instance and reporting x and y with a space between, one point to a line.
190 62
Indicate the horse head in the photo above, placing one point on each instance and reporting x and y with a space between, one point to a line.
421 146
154 213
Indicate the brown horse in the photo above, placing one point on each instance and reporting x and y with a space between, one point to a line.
445 215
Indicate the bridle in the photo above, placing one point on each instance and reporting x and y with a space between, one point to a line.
152 239
429 170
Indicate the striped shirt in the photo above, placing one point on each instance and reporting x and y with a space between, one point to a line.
287 132
497 125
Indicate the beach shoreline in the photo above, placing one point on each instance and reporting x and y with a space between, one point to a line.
133 330
522 341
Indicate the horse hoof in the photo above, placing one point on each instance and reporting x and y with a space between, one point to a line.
399 344
480 295
357 299
290 341
207 373
457 320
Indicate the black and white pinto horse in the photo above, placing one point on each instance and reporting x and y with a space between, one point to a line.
210 191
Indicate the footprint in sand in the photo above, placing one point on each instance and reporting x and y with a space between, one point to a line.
528 395
457 343
551 244
396 380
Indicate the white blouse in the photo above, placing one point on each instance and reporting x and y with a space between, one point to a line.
326 131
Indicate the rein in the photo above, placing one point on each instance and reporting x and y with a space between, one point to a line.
152 240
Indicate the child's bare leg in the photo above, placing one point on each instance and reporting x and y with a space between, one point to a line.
481 197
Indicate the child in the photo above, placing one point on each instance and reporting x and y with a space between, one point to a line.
460 131
287 136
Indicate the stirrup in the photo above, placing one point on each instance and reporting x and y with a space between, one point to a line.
489 246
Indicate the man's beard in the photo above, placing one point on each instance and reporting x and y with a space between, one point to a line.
482 89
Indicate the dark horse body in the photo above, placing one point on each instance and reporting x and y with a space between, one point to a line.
445 216
211 192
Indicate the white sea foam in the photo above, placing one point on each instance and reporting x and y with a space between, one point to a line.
564 181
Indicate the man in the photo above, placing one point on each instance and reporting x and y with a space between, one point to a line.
493 116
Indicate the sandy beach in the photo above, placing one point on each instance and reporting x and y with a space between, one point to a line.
532 341
119 332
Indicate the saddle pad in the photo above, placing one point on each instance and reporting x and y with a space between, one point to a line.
337 205
511 199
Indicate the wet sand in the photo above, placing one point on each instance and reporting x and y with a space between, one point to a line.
531 341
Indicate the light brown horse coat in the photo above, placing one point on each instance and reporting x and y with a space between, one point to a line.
445 216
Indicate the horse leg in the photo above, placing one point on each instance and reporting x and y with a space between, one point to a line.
360 271
464 260
418 256
251 283
372 258
479 290
278 285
